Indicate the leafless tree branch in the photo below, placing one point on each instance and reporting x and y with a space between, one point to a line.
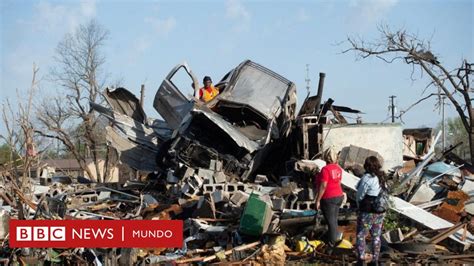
78 72
414 51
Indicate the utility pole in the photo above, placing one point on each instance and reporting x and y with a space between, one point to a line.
443 98
142 95
307 79
392 107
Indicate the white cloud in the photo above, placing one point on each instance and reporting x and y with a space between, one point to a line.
161 26
49 21
157 27
139 47
237 12
366 12
88 8
57 18
142 44
302 15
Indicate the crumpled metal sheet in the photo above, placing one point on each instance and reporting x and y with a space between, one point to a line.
239 138
140 157
259 88
123 101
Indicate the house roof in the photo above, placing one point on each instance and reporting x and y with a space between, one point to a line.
63 164
419 133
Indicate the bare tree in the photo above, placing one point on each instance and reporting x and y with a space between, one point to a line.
409 48
79 72
19 139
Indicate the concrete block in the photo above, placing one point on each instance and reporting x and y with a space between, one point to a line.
261 179
239 197
195 180
182 201
189 172
149 200
174 189
285 180
252 188
205 174
423 194
306 194
220 196
90 198
104 195
273 226
45 181
267 190
219 165
393 236
209 188
205 208
212 165
292 201
234 187
208 181
171 178
468 187
37 197
4 223
231 188
189 190
84 199
215 165
219 177
79 187
192 185
311 194
305 205
278 204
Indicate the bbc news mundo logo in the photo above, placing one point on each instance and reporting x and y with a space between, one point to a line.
86 233
41 233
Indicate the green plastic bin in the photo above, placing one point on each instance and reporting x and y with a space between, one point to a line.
256 217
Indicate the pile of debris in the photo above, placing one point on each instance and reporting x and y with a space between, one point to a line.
239 170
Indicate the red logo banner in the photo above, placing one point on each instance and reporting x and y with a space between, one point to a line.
96 233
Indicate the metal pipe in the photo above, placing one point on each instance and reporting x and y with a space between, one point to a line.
117 191
142 95
440 175
320 92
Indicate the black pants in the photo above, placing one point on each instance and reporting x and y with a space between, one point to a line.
330 208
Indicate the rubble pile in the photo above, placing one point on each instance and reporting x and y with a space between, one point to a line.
239 172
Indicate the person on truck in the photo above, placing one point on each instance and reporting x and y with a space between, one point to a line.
208 92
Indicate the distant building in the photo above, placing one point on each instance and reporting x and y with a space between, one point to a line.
384 139
417 142
70 167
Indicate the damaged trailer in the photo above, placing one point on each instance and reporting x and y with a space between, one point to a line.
238 128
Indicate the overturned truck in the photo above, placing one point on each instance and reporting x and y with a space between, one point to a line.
252 114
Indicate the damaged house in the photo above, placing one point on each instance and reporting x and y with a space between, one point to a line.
417 142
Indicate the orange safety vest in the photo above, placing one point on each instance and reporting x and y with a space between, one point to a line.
206 95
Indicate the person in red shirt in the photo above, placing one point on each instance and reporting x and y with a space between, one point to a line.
329 193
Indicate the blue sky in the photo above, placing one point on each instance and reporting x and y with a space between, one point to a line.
147 38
